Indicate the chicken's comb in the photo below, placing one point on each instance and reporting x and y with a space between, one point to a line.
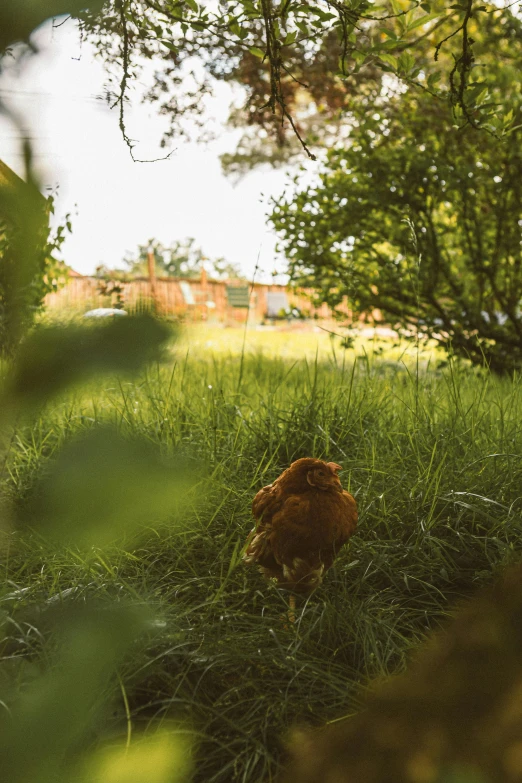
333 466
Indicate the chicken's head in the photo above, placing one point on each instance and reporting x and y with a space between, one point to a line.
315 473
324 476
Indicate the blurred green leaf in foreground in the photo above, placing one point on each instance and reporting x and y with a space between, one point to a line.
28 268
55 712
53 358
97 488
160 758
103 486
18 18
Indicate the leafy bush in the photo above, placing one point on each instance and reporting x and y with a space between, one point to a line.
28 268
422 221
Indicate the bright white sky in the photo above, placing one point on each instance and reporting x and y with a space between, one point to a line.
121 204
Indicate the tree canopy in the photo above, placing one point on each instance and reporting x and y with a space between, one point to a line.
421 220
302 63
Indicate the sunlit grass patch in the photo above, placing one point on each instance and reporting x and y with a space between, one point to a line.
322 340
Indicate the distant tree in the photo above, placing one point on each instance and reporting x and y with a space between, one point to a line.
181 258
220 269
421 220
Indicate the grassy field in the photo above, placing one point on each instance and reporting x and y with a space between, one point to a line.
432 452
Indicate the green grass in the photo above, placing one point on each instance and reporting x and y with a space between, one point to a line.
433 454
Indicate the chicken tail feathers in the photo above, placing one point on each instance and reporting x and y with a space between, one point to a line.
258 546
301 576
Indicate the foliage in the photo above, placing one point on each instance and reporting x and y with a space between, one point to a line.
53 359
111 637
89 494
325 110
28 268
99 489
53 711
182 258
431 723
421 220
18 18
299 61
434 459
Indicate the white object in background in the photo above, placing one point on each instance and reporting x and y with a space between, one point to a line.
104 312
187 292
275 302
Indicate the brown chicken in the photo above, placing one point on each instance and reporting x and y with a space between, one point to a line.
302 521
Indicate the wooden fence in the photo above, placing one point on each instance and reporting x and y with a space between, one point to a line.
198 299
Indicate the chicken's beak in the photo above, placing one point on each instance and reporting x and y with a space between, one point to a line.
334 467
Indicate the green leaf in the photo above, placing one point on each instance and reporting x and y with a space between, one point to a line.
385 46
324 16
250 9
358 56
422 20
18 18
53 358
102 487
513 128
24 253
390 60
162 757
170 45
290 38
406 62
257 52
390 33
56 712
192 5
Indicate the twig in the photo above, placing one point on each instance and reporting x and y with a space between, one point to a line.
123 89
